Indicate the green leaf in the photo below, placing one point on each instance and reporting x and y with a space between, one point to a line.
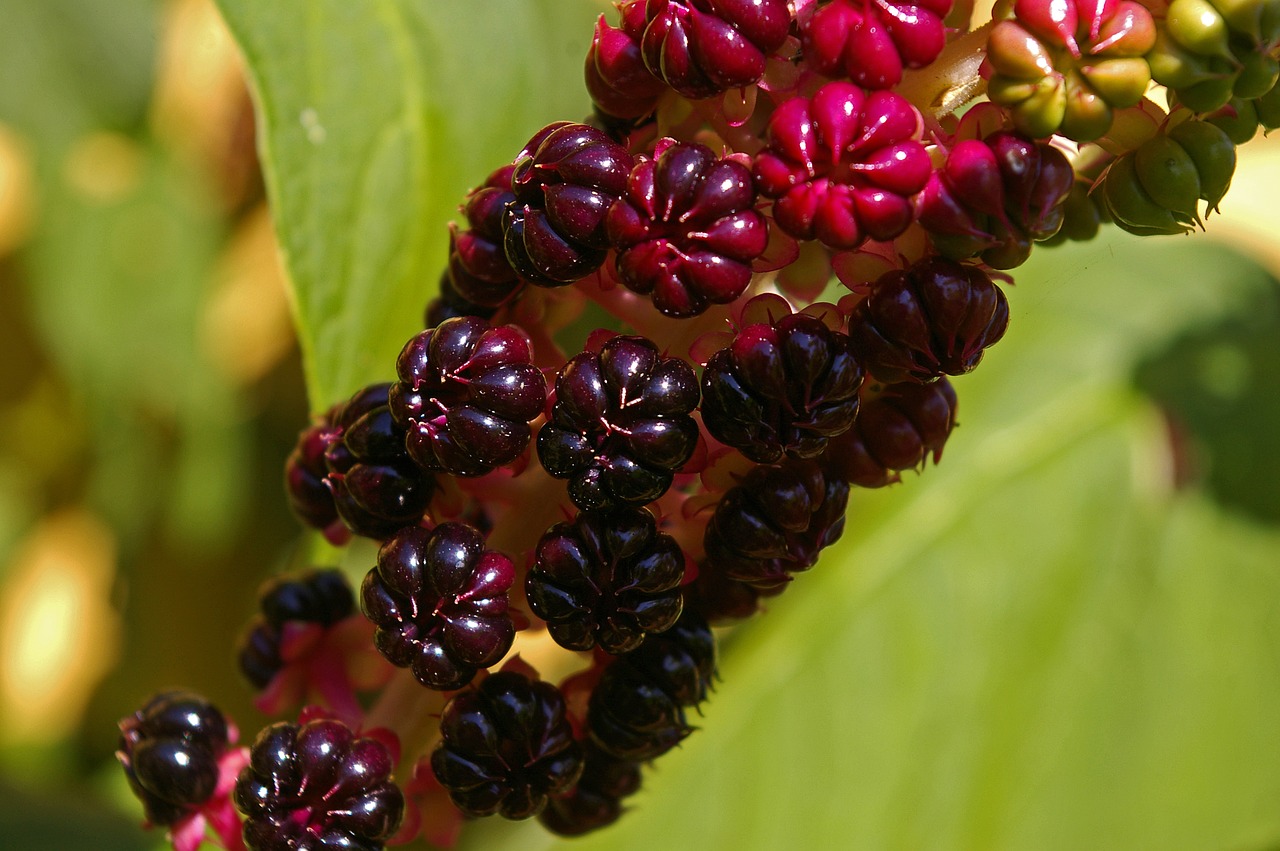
377 117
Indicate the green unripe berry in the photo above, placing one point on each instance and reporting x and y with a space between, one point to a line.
1130 205
1239 120
1198 27
1174 66
1258 74
1213 154
1208 96
1169 176
1268 109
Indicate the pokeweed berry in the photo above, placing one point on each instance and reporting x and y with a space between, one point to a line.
704 47
687 229
1062 66
617 80
506 747
637 709
895 431
609 578
596 800
564 181
993 198
448 303
620 426
781 389
843 165
872 41
318 785
170 750
320 597
1208 51
478 269
775 523
466 394
439 601
935 317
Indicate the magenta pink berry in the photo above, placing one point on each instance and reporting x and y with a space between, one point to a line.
843 165
619 83
687 229
872 41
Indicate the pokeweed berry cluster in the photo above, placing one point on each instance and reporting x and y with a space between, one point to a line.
620 492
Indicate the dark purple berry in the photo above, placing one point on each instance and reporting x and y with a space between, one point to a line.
608 578
506 746
781 389
704 47
305 471
466 394
169 750
935 317
775 523
320 597
897 430
478 268
636 711
687 229
564 181
317 785
448 303
439 601
843 165
620 426
596 801
723 600
619 83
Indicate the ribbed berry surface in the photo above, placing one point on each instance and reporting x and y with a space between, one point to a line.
781 389
687 229
439 601
564 181
304 472
704 47
637 709
448 303
619 83
897 430
608 578
169 750
317 785
596 800
506 746
872 41
620 426
312 596
478 267
936 317
775 523
466 394
843 165
993 198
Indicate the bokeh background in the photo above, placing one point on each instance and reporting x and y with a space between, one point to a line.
1068 635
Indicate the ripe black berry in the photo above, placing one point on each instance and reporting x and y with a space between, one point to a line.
895 431
607 578
478 269
620 426
169 750
439 601
506 746
775 523
596 801
313 596
636 711
781 389
466 394
317 785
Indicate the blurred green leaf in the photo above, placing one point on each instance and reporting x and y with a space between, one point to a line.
376 119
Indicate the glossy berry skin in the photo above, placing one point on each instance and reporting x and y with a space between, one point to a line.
169 750
843 165
687 229
506 747
704 47
478 270
564 181
775 523
897 430
636 711
466 394
439 601
317 785
620 425
936 317
993 198
448 303
304 473
596 800
781 389
619 83
608 578
872 42
312 596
